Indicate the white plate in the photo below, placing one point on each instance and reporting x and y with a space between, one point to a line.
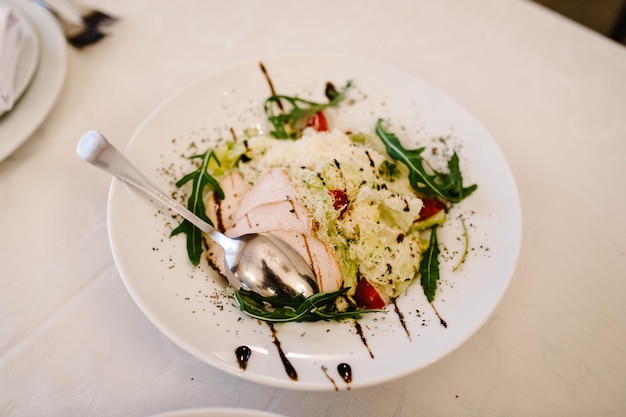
40 92
217 412
29 56
184 302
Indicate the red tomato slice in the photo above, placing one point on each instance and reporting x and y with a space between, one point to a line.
431 207
366 296
318 122
340 200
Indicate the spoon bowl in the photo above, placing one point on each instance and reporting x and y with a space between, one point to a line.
256 262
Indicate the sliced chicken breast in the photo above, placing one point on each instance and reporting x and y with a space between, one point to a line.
270 206
278 215
222 211
270 187
321 258
215 256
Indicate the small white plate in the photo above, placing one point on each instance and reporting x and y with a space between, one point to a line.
188 304
44 57
29 56
217 412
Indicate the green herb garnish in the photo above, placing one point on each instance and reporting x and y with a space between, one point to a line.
465 248
288 124
201 179
429 266
423 178
320 306
430 183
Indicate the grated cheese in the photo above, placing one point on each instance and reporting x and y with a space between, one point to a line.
374 236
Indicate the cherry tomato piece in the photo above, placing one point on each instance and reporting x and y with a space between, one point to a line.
431 207
318 122
366 296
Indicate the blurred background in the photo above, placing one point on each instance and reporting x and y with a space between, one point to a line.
607 17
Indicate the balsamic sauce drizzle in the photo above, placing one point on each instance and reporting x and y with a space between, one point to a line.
345 371
243 355
359 331
325 370
291 371
401 318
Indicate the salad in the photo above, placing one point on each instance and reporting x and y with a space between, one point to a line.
361 208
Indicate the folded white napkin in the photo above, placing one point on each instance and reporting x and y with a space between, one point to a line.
11 43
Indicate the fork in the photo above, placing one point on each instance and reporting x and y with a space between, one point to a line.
82 32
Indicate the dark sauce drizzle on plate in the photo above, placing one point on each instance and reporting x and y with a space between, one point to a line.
332 381
345 371
359 331
243 355
291 371
401 318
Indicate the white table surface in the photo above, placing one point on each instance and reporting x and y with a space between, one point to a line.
552 93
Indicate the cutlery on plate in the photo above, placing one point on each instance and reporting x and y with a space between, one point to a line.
257 262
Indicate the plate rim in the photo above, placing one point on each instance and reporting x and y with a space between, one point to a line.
29 57
217 412
36 102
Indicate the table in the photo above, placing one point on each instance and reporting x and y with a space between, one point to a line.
552 93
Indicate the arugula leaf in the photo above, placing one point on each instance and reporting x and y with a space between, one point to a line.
200 179
289 124
320 306
429 266
423 178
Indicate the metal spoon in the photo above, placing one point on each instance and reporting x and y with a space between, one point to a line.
259 262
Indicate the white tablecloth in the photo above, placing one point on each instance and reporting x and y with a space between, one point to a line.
552 93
